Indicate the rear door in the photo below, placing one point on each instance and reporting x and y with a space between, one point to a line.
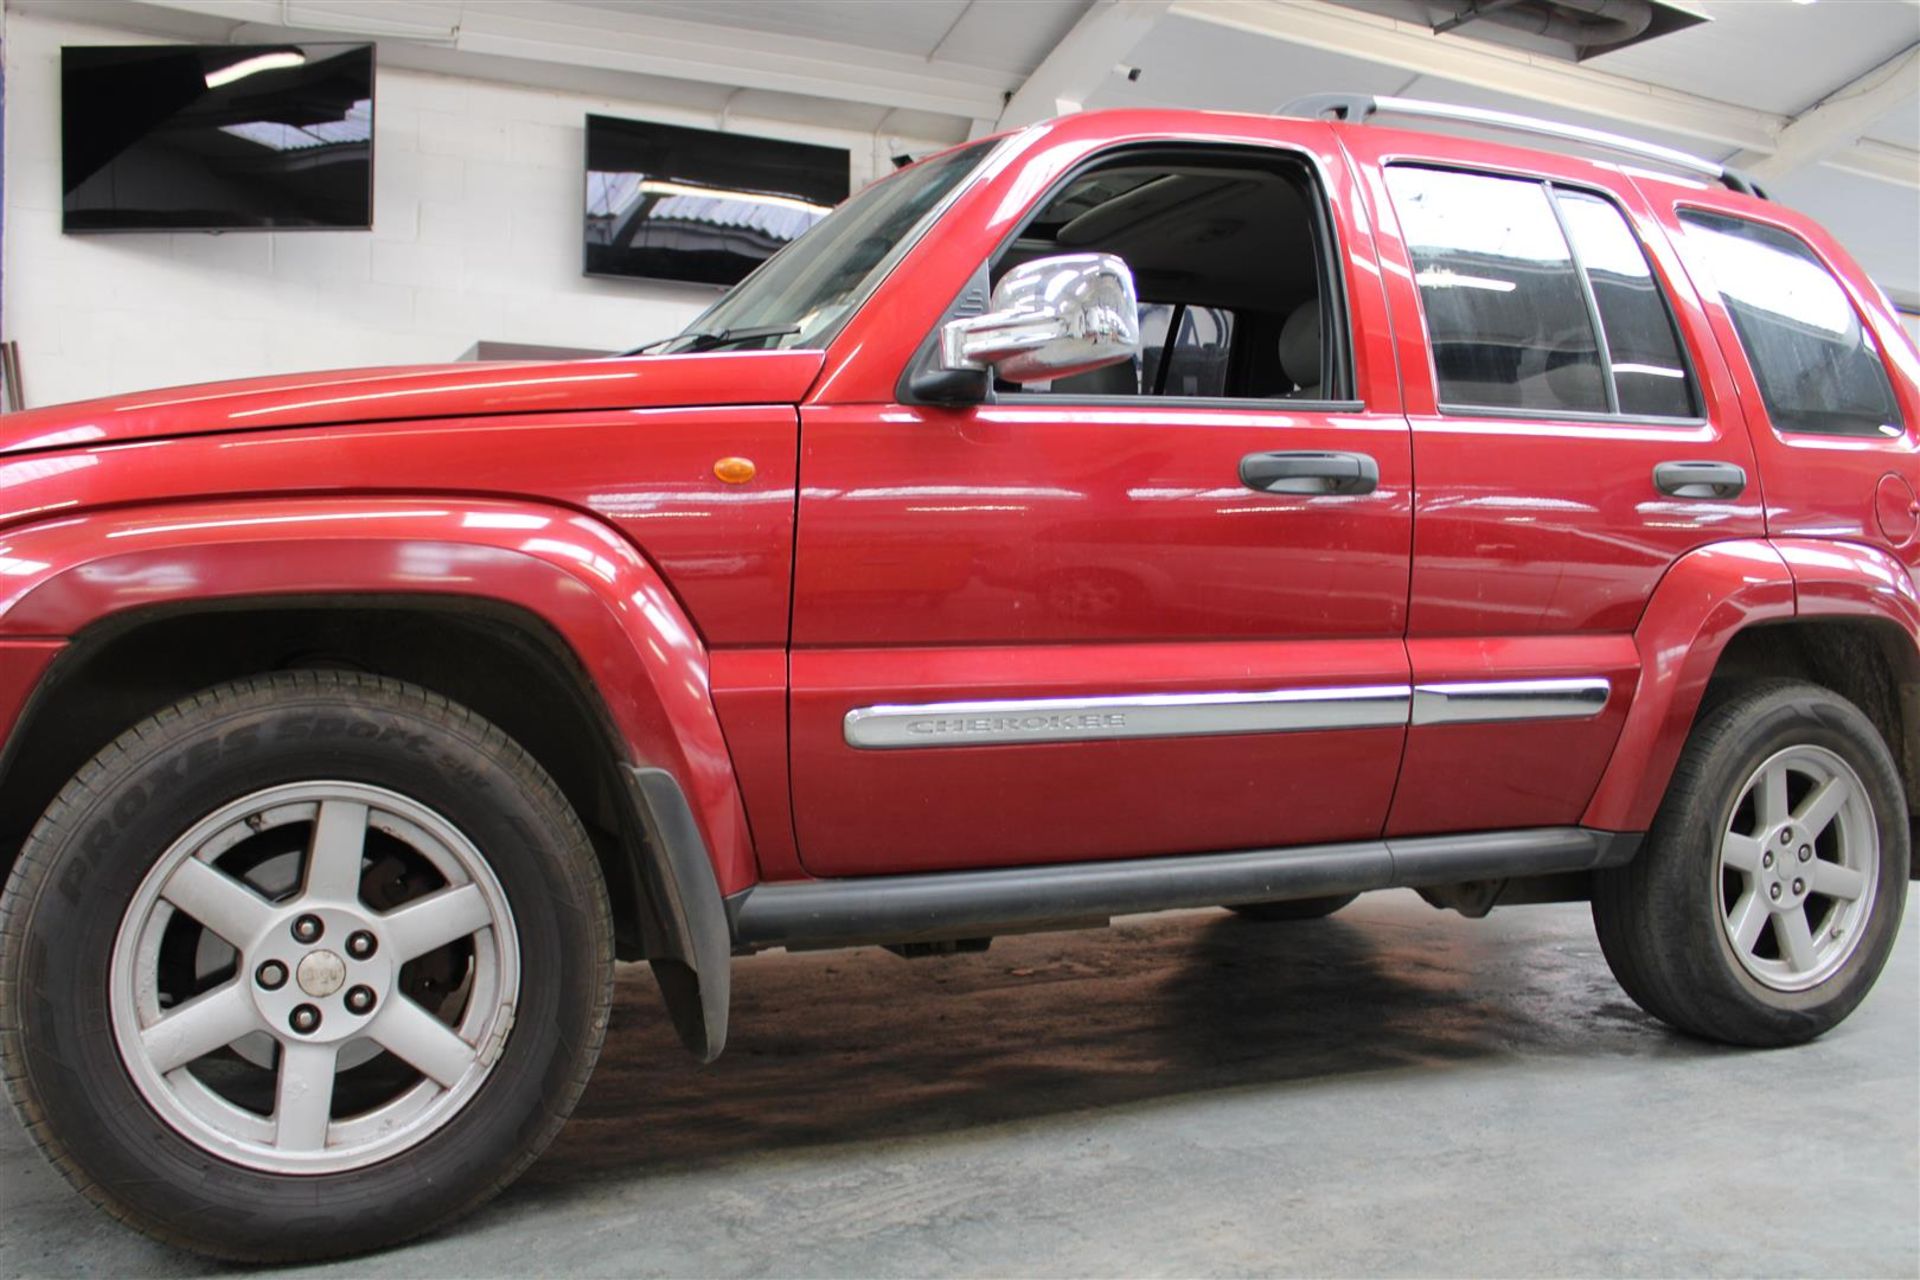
1839 451
1574 433
1060 625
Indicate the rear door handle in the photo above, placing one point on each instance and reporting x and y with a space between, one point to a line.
1310 471
1700 479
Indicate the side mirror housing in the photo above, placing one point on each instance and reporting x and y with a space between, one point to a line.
1050 318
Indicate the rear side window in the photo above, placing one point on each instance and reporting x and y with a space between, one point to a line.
1643 348
1538 298
1818 367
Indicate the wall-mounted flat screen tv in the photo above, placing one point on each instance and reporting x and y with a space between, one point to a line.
217 137
671 203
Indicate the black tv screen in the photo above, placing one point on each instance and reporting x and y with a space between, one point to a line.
671 203
217 137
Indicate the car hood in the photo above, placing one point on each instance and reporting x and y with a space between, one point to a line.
423 391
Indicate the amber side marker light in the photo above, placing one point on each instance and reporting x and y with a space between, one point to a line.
734 470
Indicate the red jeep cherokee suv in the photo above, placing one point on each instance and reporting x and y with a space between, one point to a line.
1142 510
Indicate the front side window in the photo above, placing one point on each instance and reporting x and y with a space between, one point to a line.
1818 367
1230 254
1184 350
1538 298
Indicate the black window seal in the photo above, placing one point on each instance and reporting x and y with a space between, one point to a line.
1328 257
1567 415
1247 404
1600 343
1552 185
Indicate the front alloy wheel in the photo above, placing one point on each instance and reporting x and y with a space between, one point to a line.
302 966
255 1022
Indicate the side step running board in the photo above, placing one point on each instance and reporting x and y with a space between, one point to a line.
814 913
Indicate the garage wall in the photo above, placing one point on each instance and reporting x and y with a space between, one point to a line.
477 209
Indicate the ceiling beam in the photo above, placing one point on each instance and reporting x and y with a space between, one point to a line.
1838 120
1085 56
1413 47
1871 158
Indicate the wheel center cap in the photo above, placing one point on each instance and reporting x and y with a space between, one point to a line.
321 973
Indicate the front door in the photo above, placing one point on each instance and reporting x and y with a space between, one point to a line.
1097 619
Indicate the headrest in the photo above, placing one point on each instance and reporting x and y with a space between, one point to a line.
1300 345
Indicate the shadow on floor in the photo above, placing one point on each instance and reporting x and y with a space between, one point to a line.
855 1046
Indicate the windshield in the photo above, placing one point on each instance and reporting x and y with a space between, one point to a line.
801 294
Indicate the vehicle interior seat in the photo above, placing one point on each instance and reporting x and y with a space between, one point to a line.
1300 350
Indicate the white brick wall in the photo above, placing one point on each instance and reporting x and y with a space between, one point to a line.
477 209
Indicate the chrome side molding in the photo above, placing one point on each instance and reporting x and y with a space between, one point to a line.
1488 701
1150 715
999 722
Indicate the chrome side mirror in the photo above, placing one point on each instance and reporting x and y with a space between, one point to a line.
1050 318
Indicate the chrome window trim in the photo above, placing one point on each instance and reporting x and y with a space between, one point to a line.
1490 701
1004 721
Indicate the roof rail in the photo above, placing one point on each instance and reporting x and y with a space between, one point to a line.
1358 107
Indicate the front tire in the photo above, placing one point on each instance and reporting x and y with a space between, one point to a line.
302 966
1768 894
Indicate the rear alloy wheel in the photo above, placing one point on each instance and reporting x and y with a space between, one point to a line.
302 966
1767 896
1797 880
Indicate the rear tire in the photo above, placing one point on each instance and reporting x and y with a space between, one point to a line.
1767 896
1294 909
245 858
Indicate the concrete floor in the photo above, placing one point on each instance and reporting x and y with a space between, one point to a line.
1394 1091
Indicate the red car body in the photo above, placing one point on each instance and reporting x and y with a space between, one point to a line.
887 553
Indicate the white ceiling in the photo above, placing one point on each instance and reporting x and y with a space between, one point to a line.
1003 35
937 70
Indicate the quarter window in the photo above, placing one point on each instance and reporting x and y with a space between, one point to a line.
1818 367
1537 299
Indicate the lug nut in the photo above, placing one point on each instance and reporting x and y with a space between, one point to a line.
1799 886
1773 890
305 1019
360 944
1786 835
359 999
1766 859
307 929
1806 853
272 975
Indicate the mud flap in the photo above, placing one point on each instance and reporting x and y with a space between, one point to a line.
690 946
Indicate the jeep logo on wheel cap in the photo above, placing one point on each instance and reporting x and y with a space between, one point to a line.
321 973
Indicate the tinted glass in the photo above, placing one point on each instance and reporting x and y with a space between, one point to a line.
1643 347
1226 249
1195 360
818 280
1818 367
670 203
218 137
1506 312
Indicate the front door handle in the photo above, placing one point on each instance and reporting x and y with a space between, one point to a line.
1310 471
1700 479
